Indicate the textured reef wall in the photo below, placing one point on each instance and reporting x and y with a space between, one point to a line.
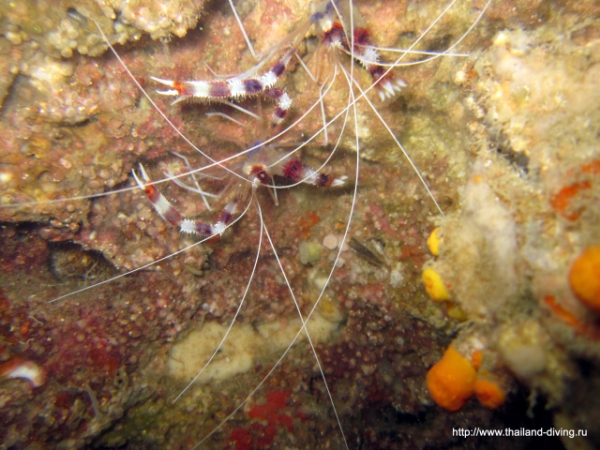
505 323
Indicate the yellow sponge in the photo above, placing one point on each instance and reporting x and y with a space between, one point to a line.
434 285
433 242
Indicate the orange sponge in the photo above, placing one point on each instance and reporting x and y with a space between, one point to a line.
584 277
451 380
489 393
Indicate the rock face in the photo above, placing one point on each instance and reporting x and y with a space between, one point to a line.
503 129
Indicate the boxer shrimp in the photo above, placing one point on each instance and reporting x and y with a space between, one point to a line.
194 287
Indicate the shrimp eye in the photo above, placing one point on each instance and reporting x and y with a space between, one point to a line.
263 177
260 174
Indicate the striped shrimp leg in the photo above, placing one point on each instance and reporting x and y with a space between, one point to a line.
170 214
236 88
284 103
386 84
333 35
296 171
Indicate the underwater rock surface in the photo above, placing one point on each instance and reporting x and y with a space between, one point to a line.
506 137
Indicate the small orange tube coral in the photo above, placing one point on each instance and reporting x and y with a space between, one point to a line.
562 313
584 277
451 380
489 393
561 201
476 359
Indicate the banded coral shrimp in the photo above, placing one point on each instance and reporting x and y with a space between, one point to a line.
366 355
